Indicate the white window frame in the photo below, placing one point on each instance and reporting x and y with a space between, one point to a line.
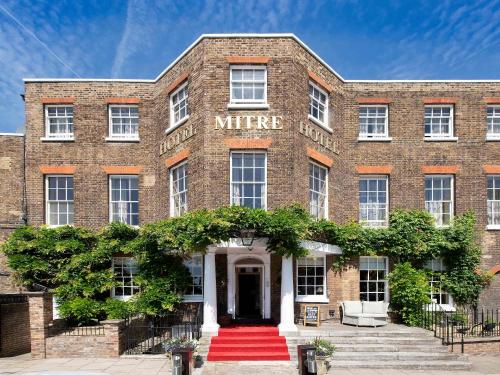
58 136
122 137
436 265
325 194
196 297
375 223
174 124
173 212
451 129
374 136
324 124
47 200
490 136
110 211
493 202
452 202
132 287
385 280
314 298
247 103
264 203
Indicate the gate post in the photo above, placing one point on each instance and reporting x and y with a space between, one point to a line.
40 313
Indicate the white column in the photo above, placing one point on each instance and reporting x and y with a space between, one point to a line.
210 325
287 323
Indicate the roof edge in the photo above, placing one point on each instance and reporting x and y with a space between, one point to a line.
257 35
12 134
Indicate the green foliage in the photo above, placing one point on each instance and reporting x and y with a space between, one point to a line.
409 292
117 309
83 311
77 262
324 348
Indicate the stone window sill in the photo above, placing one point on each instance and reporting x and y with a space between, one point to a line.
248 106
175 126
54 139
124 140
493 227
312 299
440 139
320 124
374 139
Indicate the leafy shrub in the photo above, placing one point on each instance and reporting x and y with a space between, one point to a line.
117 309
324 348
409 292
81 311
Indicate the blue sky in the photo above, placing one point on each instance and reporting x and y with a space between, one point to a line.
138 38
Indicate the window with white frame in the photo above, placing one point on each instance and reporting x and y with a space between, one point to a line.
124 271
438 294
194 291
494 201
373 121
179 105
318 104
248 84
311 279
248 179
373 200
124 199
59 122
439 198
59 200
493 118
373 278
178 190
438 121
318 191
124 122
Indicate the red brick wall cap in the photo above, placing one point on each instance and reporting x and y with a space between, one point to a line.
440 100
123 169
374 169
247 59
68 100
363 100
177 158
320 81
57 169
319 157
177 82
440 169
123 100
251 143
495 269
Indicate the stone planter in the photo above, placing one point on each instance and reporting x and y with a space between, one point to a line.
321 365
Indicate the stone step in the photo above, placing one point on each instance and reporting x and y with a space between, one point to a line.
396 356
364 333
384 348
373 340
415 365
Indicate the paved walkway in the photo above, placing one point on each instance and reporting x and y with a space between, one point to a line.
484 364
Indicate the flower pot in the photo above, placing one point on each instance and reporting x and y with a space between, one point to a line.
321 365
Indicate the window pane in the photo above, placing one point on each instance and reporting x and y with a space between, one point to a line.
248 184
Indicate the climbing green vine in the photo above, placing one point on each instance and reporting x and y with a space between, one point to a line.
76 262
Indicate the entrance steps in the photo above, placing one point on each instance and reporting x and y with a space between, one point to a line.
397 347
247 343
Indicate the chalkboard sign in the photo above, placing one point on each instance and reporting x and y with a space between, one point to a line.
311 315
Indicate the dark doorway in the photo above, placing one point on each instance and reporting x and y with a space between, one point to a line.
249 295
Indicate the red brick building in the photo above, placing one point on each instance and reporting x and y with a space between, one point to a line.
262 121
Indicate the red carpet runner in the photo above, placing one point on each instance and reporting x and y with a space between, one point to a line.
248 343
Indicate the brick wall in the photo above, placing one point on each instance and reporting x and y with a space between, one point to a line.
478 347
14 329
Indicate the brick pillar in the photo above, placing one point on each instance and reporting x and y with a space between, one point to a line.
113 332
40 312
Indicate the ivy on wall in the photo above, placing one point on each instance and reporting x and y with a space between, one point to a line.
76 262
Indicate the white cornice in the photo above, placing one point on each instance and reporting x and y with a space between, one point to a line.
12 134
272 35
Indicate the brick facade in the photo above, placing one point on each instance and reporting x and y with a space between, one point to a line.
206 148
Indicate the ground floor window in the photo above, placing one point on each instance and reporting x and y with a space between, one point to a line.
311 279
373 278
194 291
438 294
124 270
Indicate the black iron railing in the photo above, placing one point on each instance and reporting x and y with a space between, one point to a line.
465 324
147 334
61 327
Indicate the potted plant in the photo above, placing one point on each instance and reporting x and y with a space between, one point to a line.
181 345
324 351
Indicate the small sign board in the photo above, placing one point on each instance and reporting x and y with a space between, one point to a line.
311 315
